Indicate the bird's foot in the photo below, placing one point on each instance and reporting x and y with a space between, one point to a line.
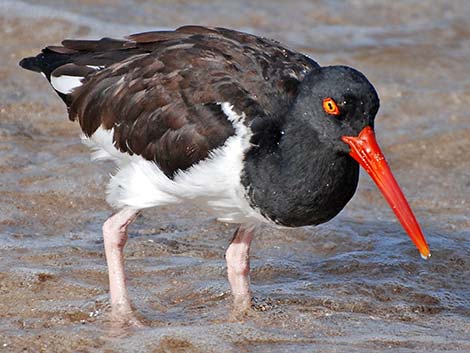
242 302
244 305
131 320
241 306
120 321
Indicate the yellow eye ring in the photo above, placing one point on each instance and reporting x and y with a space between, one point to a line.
330 107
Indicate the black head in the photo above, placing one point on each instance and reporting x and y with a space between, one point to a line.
339 104
338 101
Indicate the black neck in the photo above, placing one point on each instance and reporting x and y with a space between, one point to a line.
294 176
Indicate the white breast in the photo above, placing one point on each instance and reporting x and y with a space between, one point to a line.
212 184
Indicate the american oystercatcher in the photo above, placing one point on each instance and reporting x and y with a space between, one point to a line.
230 122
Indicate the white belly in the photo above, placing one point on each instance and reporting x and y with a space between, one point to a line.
212 184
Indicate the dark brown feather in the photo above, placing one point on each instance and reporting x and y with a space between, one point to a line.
156 36
160 90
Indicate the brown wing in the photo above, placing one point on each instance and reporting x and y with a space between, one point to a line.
160 90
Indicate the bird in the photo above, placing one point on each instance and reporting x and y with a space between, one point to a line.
232 123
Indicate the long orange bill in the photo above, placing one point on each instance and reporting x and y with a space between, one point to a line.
366 151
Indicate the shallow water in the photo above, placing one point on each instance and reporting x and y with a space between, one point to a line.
355 284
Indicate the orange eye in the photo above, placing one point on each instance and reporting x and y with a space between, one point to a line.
329 105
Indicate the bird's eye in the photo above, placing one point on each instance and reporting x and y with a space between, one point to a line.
329 105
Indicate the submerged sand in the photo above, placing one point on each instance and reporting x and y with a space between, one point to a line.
355 284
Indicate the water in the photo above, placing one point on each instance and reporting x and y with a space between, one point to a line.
355 284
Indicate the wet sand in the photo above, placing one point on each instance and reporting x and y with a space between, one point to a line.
355 284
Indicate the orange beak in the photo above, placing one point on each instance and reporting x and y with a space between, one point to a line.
366 151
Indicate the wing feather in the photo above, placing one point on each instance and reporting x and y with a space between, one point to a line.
161 91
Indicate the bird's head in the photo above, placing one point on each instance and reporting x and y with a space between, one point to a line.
343 105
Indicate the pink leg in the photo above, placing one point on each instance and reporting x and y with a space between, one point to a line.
115 238
238 266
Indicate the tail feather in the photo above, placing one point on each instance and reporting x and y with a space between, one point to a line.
66 67
59 67
46 62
